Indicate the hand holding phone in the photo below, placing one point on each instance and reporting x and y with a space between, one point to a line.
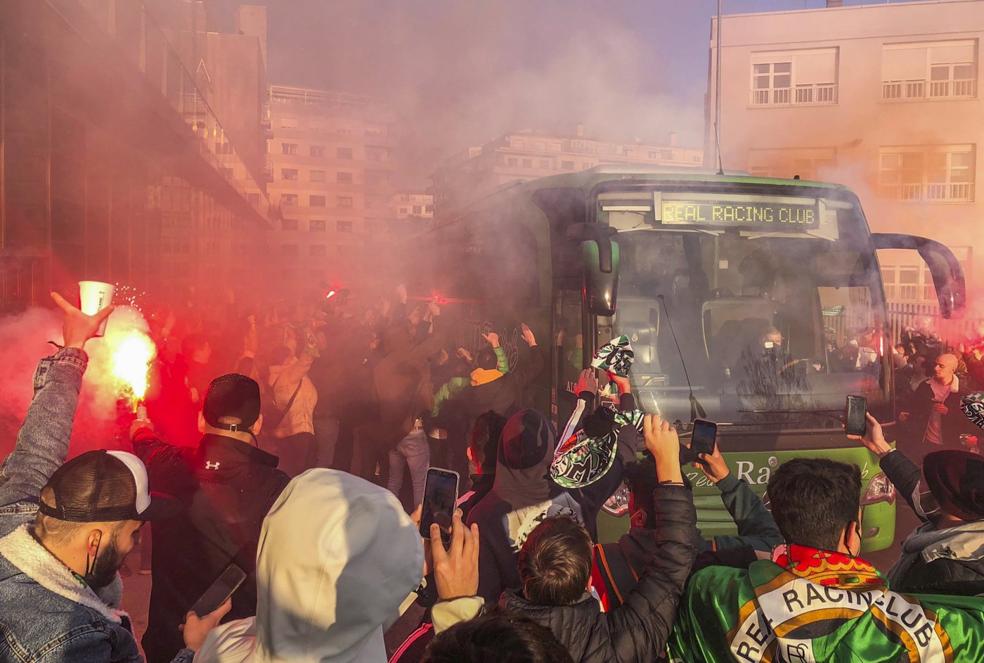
856 416
703 439
440 497
219 591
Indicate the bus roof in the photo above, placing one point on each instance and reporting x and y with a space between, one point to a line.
591 178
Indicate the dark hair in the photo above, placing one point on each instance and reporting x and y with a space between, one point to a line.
486 359
497 637
555 562
641 480
484 440
814 499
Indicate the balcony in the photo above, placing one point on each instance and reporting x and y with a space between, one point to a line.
916 90
813 94
932 192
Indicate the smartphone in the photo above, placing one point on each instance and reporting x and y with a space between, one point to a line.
440 498
220 590
704 437
857 408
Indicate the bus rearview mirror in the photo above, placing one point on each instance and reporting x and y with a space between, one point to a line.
948 277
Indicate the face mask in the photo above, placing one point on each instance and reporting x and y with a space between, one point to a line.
104 568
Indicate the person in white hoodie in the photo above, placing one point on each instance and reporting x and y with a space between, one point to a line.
336 558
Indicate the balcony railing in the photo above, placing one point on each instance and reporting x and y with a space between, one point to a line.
930 192
917 89
801 95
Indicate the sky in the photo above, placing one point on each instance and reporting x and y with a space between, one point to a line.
462 72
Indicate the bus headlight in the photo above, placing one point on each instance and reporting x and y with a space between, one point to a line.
880 489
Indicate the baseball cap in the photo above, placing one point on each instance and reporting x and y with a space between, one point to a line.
104 486
956 480
232 396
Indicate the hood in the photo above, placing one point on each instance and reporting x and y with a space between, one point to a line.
963 543
336 557
526 450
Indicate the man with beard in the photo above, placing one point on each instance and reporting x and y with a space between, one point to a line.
66 530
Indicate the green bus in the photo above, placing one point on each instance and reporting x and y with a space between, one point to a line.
756 303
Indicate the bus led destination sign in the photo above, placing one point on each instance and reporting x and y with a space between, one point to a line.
740 214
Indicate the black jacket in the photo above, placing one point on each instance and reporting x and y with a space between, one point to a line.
953 422
949 572
636 630
226 488
503 396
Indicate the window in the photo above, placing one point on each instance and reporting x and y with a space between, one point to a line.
908 283
289 249
317 201
794 77
318 250
934 70
343 201
288 148
512 161
343 178
544 163
375 131
317 151
317 176
317 225
417 210
343 226
527 163
343 152
567 165
288 174
944 173
429 209
288 199
288 224
288 122
889 279
377 177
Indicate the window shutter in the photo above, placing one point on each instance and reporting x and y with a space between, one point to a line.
904 64
815 67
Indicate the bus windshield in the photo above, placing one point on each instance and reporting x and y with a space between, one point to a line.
775 302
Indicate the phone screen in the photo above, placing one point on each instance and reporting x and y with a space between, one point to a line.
440 496
220 590
704 437
857 407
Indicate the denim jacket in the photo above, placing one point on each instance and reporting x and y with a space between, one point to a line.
47 614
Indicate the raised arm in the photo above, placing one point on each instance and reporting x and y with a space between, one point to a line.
42 442
641 626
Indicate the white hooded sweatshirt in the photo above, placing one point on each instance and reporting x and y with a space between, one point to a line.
336 557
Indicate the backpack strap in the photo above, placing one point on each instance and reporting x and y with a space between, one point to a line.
613 575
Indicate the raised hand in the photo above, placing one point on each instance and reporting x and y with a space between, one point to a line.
455 569
528 336
492 339
77 327
663 443
873 438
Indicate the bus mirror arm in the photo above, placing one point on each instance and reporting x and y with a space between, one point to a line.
948 277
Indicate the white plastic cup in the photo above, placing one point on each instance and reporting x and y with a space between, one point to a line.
94 297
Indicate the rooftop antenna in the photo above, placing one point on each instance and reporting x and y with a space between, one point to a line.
717 90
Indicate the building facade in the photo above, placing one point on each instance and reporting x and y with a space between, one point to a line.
527 155
882 98
331 167
114 162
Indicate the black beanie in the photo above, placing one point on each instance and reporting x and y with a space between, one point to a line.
527 439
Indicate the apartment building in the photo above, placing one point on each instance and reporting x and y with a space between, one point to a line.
413 205
884 98
526 155
331 167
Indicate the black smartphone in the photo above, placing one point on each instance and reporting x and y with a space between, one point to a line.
856 422
704 437
220 590
440 497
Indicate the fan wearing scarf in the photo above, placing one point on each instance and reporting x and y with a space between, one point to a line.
816 599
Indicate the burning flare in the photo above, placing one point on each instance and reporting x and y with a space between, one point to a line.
132 354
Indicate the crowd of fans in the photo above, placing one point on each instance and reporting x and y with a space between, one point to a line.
282 453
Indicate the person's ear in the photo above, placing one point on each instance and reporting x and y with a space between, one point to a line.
93 539
201 423
257 425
